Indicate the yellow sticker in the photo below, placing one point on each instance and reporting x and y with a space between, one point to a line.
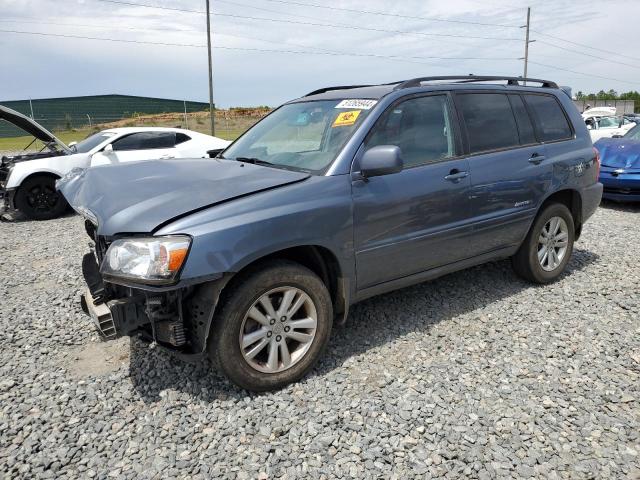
344 119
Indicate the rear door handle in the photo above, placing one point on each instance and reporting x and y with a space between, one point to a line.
536 159
456 175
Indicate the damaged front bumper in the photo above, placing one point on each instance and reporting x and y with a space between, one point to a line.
177 318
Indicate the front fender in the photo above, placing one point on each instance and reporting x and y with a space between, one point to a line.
230 236
58 166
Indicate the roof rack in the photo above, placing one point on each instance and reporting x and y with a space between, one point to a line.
341 87
346 87
515 81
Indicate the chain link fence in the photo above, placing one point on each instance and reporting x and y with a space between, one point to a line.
72 119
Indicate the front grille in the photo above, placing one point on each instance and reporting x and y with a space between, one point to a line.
622 191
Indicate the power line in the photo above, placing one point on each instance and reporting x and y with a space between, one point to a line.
342 52
553 67
584 45
370 29
316 24
386 14
159 7
586 54
93 25
371 12
221 47
168 44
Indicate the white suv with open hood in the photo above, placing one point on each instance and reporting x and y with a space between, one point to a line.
27 181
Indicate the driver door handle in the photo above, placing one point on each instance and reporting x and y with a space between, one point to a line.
536 159
456 175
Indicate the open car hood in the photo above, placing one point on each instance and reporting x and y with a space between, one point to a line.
31 127
139 197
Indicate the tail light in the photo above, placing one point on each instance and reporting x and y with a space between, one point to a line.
596 161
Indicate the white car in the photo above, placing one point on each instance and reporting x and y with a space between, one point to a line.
607 127
27 182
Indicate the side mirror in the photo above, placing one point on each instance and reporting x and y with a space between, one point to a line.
589 127
381 160
108 148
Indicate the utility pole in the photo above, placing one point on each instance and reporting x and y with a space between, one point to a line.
527 42
211 109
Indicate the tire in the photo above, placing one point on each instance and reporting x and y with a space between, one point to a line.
38 199
526 261
237 321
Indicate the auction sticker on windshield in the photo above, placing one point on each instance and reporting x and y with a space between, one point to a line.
345 119
359 104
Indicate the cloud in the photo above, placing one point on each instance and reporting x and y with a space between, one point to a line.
43 66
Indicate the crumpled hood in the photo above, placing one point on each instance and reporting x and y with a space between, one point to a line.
31 127
138 197
619 153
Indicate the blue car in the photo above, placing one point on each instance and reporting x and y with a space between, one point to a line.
345 193
620 171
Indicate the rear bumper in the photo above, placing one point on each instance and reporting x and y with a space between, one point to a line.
591 197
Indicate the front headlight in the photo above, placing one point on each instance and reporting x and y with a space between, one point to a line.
148 259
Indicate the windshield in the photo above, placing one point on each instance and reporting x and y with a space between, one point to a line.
633 134
303 136
606 122
91 142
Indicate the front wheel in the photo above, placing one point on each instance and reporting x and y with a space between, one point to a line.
272 326
38 199
546 250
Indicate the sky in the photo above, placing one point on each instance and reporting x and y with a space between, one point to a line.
254 41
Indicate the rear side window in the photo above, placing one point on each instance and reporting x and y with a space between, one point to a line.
146 141
525 127
550 120
489 120
181 138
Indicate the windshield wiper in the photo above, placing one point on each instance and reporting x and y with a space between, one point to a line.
255 161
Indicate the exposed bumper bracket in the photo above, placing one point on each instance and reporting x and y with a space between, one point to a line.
100 314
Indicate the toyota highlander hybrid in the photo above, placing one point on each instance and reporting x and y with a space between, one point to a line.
345 193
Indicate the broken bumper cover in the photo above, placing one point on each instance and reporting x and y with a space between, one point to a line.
6 198
178 318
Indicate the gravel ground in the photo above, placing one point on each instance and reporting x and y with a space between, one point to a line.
477 374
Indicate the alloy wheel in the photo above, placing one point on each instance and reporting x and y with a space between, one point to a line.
42 198
552 243
278 329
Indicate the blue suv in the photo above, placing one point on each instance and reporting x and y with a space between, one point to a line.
345 193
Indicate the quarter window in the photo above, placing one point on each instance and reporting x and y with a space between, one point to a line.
145 141
525 127
549 117
420 127
181 138
489 120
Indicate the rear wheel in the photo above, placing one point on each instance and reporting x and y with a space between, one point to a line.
546 250
272 326
38 199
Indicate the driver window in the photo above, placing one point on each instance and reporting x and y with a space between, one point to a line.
420 127
145 141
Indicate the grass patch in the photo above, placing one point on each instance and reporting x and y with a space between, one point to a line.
228 127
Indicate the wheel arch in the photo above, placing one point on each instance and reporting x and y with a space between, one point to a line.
572 199
321 261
